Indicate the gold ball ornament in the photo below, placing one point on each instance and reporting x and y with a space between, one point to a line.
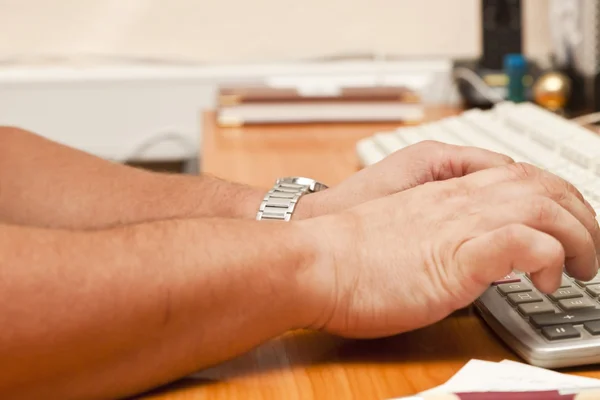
552 90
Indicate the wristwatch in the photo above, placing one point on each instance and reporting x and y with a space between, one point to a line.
280 201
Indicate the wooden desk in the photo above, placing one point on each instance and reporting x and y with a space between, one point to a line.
315 365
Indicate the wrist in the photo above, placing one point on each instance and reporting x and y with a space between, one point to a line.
229 199
248 202
317 279
287 199
250 199
295 280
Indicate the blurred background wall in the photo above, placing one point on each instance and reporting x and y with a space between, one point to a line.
112 76
226 31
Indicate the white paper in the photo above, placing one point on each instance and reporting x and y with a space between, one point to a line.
553 376
487 376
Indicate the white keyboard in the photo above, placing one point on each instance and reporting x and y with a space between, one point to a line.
557 330
524 131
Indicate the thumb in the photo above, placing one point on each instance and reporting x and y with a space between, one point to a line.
429 161
495 254
455 161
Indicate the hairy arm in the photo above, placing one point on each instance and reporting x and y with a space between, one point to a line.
43 183
109 313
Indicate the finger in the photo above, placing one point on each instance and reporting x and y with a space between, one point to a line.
520 171
495 254
543 214
509 191
457 161
446 161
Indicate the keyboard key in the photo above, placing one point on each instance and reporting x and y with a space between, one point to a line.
576 304
410 135
438 133
526 297
574 174
593 290
575 317
592 327
567 293
512 277
560 332
368 152
593 281
464 128
507 288
388 142
566 282
542 307
581 151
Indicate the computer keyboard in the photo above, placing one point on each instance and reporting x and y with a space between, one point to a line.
552 331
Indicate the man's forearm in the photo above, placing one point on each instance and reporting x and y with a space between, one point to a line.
101 314
44 183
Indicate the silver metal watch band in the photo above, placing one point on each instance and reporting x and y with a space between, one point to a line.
279 202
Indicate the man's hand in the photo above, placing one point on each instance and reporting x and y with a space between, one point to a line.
414 165
408 260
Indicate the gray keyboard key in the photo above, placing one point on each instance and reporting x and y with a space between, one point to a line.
541 307
567 293
576 304
525 297
512 277
573 317
594 281
560 332
566 282
592 327
593 290
507 288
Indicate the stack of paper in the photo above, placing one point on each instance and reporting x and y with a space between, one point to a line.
310 100
510 376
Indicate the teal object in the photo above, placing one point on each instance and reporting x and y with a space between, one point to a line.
515 68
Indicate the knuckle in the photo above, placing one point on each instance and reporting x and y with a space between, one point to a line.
558 187
554 187
522 170
512 234
544 210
